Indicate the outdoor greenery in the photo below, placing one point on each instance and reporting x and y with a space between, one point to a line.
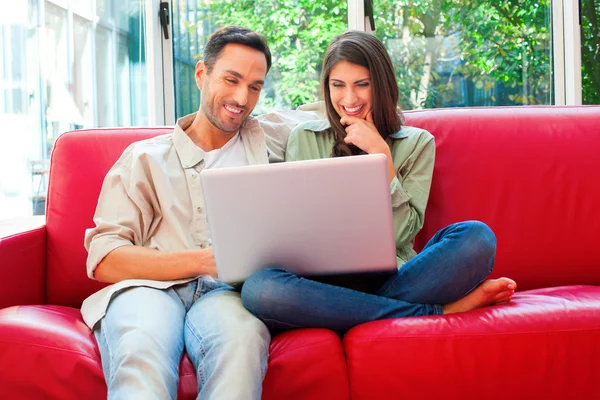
446 52
590 51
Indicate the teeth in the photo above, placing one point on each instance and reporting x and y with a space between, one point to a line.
352 110
233 110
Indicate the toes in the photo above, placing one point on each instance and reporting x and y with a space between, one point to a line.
504 296
508 282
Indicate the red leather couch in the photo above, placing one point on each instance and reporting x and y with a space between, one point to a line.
532 174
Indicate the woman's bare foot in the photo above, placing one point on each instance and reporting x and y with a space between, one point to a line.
490 292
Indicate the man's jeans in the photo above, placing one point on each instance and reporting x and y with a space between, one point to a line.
145 330
455 261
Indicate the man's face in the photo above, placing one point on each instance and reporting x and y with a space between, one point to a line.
231 90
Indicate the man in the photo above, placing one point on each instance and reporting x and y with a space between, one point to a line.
152 242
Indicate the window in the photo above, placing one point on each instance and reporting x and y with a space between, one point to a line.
65 65
297 31
590 51
451 53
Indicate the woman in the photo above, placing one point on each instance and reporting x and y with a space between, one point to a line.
448 276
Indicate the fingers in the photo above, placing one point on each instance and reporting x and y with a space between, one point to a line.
346 120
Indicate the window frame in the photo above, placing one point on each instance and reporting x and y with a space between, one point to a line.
566 44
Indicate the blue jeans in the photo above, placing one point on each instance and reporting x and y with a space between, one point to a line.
455 261
145 331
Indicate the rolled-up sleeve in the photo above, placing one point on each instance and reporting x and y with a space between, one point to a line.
410 193
122 215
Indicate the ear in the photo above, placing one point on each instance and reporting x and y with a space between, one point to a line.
200 73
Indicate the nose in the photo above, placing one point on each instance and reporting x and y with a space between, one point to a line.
241 95
349 97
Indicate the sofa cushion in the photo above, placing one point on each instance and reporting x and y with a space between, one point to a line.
531 174
543 344
49 353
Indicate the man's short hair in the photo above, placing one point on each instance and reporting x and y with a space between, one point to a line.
234 34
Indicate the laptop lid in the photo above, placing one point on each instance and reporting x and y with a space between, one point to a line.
314 217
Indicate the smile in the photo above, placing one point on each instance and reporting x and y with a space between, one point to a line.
233 110
353 110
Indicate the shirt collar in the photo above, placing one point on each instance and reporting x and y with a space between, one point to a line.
190 155
319 126
188 152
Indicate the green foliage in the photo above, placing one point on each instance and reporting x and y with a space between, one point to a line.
446 52
499 49
298 32
590 51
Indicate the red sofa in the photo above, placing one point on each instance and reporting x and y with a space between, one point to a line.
532 174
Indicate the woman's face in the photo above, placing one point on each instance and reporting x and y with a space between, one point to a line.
350 89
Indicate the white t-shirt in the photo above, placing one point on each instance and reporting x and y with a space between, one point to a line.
232 154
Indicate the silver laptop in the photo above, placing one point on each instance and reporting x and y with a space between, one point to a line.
317 217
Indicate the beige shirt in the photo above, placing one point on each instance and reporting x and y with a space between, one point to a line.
152 197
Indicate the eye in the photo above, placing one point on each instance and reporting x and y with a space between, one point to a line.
232 81
255 89
363 84
337 84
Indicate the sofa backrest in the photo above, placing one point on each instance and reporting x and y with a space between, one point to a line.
80 160
531 173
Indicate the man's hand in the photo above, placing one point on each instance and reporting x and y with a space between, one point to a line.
363 134
208 263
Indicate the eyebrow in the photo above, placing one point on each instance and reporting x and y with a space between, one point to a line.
240 76
358 81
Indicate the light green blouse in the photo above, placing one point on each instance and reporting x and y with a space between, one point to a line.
413 153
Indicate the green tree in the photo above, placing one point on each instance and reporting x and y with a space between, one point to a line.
298 32
446 52
590 51
489 42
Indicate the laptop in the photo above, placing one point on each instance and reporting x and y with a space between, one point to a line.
316 217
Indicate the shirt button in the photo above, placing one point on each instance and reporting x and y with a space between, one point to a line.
202 246
194 176
199 209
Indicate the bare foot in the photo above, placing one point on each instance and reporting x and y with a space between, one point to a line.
490 292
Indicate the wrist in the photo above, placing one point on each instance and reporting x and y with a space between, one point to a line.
381 149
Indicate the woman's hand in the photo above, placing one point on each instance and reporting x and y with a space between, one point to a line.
363 134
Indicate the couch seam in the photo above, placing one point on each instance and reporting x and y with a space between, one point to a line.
30 231
50 348
454 336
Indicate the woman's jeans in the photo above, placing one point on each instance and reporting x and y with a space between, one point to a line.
455 261
145 331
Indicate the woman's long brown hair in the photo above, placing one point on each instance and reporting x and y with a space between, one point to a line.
366 50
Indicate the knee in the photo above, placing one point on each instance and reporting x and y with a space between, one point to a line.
264 288
481 236
235 338
480 242
139 343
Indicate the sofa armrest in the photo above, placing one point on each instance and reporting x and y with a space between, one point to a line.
22 262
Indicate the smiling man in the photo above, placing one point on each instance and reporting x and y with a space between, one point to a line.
151 242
